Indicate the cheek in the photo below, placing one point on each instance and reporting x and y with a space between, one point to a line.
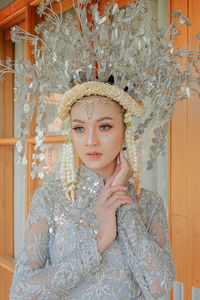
113 138
77 141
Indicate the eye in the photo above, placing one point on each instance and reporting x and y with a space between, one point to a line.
78 129
105 127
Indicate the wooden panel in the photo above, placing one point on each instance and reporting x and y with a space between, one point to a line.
13 20
14 13
6 200
194 250
178 139
7 263
5 282
185 153
183 5
7 35
48 139
1 84
178 157
6 177
8 95
9 16
35 2
194 164
8 141
29 24
6 100
6 156
12 9
179 249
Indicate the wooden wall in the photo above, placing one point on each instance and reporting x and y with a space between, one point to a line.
6 172
185 171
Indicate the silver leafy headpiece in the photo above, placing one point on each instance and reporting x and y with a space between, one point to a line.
117 45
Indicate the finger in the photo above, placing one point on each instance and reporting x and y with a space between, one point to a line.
109 182
109 191
121 155
124 162
113 189
123 159
112 177
118 168
114 199
118 203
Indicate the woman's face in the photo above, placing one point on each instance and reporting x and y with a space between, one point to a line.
98 139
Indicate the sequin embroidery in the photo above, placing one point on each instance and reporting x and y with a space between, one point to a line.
60 258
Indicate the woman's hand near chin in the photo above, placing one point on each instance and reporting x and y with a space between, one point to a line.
124 171
110 199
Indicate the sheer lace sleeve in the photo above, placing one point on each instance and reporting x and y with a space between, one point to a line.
33 278
148 250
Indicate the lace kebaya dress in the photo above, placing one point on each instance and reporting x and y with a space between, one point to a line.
60 258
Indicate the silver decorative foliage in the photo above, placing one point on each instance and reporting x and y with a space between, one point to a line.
119 43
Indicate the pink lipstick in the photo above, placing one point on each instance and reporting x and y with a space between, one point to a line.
94 155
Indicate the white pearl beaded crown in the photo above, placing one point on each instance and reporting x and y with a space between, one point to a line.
133 109
113 92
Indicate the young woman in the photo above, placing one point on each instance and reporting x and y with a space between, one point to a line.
105 244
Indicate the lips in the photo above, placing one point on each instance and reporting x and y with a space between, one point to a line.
94 153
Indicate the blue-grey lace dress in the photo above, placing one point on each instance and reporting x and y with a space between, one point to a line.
60 258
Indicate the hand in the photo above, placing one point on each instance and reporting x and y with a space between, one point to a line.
105 209
125 171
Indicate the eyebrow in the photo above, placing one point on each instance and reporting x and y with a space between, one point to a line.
99 120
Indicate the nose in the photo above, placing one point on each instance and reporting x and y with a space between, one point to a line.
92 139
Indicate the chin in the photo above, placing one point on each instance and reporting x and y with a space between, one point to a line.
97 165
94 165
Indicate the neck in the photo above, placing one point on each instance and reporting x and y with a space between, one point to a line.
107 171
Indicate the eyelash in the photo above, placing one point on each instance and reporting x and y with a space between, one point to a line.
109 127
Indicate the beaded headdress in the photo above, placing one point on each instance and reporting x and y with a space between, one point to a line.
115 55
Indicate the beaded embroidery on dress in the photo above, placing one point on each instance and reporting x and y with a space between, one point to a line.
60 258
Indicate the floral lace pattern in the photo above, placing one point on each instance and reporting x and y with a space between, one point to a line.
60 258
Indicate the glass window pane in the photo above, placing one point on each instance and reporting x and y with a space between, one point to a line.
156 179
53 161
19 204
19 171
54 125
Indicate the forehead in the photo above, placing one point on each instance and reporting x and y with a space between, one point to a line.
94 107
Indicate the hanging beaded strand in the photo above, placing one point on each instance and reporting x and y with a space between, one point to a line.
68 169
